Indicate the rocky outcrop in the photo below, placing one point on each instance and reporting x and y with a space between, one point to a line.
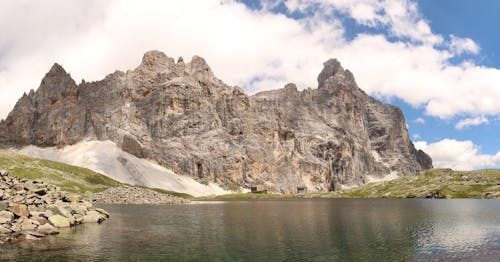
135 195
31 209
181 116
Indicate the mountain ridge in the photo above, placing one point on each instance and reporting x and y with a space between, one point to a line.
183 117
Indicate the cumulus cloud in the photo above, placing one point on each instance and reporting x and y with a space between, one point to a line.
459 155
420 120
256 49
401 17
463 45
473 121
416 136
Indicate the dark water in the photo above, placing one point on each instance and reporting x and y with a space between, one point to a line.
292 230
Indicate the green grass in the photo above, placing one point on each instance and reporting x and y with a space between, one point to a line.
448 183
68 178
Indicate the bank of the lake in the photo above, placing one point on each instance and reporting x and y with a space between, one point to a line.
276 230
436 183
32 209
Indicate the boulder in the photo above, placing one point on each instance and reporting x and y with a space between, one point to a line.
93 217
19 210
47 229
4 230
59 221
6 214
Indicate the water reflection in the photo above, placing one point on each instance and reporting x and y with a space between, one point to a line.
292 230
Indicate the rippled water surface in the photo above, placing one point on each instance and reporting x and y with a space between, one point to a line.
288 230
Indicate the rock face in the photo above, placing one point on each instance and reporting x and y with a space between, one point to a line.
31 209
184 118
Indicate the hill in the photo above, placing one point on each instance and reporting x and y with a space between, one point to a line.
69 178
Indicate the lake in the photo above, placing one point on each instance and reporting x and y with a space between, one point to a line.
281 230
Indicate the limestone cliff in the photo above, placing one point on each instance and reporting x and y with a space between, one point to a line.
180 115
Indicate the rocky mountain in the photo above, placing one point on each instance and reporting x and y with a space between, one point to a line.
184 118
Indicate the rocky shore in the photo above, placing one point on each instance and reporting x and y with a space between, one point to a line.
135 195
31 209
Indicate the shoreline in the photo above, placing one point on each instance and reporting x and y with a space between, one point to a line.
33 209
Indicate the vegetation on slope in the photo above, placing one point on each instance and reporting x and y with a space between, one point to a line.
436 183
68 178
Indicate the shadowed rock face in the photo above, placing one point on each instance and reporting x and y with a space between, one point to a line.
183 117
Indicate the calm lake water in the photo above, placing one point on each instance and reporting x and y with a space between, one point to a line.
287 230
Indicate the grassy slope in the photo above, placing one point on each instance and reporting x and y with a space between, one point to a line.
68 178
445 182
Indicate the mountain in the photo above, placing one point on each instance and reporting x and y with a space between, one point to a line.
182 117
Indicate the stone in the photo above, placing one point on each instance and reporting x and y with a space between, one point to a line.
35 234
72 198
93 217
28 225
78 208
179 114
47 229
19 210
4 230
102 211
3 205
6 214
59 221
40 191
133 195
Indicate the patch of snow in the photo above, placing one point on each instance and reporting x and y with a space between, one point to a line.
391 176
344 187
376 156
108 159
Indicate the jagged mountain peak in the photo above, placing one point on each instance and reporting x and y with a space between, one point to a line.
56 70
156 61
185 119
332 69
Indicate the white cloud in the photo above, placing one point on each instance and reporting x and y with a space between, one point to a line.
400 16
420 120
458 155
93 38
473 121
416 136
463 45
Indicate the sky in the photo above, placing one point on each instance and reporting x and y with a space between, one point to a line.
439 61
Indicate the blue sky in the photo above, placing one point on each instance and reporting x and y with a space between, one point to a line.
438 60
460 18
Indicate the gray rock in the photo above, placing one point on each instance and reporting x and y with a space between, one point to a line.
4 230
29 217
184 118
47 229
59 221
93 217
6 215
3 205
133 195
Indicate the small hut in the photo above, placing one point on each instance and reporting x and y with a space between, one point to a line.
258 189
301 189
